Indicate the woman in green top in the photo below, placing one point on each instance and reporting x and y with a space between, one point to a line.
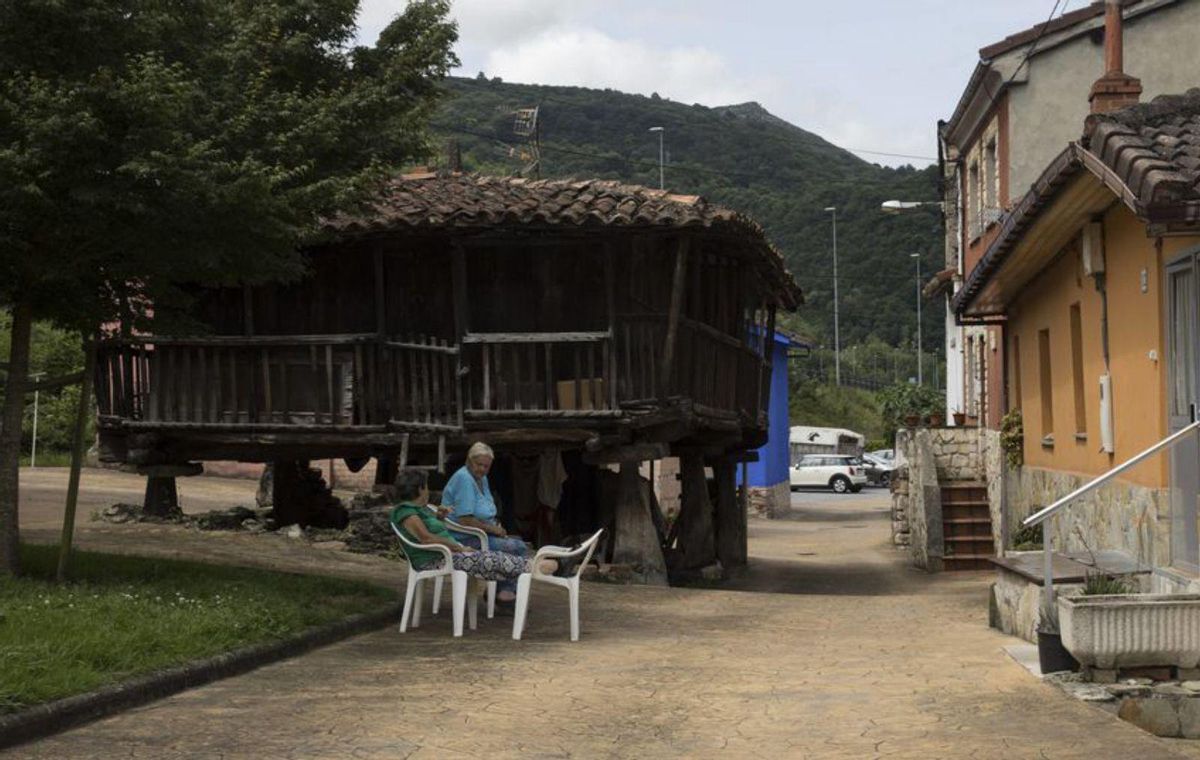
421 525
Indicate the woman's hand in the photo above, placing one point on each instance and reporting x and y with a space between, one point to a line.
498 530
460 549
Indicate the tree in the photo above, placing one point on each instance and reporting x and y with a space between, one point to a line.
149 145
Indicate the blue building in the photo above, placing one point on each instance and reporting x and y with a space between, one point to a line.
770 472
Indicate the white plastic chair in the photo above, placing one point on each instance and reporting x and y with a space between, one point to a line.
491 585
571 584
462 591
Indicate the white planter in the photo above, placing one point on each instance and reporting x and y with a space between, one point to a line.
1131 630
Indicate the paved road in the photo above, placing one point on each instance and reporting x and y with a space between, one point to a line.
845 652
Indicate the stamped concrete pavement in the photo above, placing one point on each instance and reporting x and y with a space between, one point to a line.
831 647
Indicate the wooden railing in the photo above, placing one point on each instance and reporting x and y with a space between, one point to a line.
293 381
541 374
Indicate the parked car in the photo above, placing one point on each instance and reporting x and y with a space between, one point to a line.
839 472
886 455
879 471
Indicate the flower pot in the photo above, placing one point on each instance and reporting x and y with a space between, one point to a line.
936 420
1132 630
960 419
912 420
1053 657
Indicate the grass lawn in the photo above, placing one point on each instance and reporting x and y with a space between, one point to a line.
125 616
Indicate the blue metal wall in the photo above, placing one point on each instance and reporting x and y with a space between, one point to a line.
772 465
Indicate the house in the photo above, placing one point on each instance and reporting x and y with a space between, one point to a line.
1024 101
1094 274
610 323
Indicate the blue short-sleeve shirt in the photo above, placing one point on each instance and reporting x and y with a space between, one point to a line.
467 499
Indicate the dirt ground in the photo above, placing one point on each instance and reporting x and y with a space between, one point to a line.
829 646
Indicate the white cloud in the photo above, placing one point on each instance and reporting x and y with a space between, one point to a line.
586 57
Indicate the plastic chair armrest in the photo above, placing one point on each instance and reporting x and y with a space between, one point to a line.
470 531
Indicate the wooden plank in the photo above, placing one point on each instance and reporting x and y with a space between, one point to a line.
217 389
337 339
247 310
673 314
233 382
591 377
169 386
533 375
414 390
329 384
403 452
537 337
284 406
548 373
266 379
156 384
436 405
458 282
501 384
356 410
425 386
380 291
412 346
629 390
487 377
458 392
578 379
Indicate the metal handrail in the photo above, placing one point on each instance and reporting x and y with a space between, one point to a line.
1040 516
1037 518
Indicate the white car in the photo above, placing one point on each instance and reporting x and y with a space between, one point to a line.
840 472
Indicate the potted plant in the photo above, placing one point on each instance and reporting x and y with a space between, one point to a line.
1053 657
908 404
936 419
960 418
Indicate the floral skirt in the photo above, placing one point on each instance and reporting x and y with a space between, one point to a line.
491 566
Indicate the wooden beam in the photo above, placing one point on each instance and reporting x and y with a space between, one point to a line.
637 452
247 311
696 541
730 521
676 305
538 337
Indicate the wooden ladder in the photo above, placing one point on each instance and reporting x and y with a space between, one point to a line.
966 526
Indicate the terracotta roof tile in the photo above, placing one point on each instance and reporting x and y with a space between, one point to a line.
429 201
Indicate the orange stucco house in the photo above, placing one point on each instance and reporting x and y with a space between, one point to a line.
1096 274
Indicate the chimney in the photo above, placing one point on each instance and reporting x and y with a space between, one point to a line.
1115 89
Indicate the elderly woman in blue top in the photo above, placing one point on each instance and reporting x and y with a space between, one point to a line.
471 503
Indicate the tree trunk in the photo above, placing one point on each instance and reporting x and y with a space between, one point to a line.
636 542
731 517
10 437
695 515
82 413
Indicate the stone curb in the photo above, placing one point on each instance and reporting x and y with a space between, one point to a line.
52 717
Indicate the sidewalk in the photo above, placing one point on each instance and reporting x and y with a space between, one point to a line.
852 654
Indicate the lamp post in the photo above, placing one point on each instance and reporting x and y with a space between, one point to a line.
837 342
917 257
660 132
33 450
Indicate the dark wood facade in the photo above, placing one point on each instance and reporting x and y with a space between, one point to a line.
409 338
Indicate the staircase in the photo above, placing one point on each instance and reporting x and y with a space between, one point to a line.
966 526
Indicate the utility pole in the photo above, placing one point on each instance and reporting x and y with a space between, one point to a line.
837 342
917 257
33 451
660 131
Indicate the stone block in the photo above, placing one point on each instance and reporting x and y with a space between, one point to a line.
1100 675
1153 672
1158 716
1189 718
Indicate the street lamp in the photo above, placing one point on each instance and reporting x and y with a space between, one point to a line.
660 132
917 257
837 342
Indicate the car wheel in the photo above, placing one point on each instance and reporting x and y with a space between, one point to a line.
885 480
839 484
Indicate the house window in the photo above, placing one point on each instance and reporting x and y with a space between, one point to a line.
1016 365
991 188
1045 386
1077 371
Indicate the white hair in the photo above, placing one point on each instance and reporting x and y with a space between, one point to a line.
478 450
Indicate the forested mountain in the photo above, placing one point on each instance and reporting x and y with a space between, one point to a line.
743 157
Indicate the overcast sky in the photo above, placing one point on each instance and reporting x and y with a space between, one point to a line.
864 74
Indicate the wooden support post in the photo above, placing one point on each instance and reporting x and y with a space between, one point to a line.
458 274
731 517
636 541
676 306
695 515
380 295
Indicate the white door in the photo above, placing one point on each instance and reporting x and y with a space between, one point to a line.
1182 400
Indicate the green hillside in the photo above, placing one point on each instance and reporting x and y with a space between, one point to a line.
743 157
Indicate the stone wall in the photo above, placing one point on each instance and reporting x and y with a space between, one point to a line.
918 496
1118 515
772 502
958 452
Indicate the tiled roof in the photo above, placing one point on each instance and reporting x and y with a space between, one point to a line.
430 201
1153 147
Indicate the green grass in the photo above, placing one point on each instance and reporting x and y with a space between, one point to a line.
49 459
125 616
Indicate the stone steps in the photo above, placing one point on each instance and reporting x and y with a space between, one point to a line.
966 526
